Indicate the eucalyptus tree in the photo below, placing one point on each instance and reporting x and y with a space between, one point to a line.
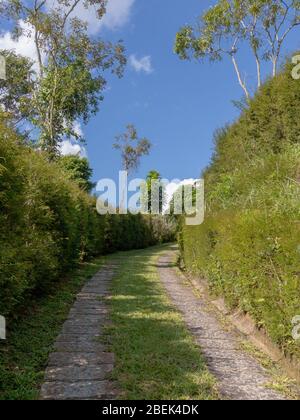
224 28
17 87
132 148
70 63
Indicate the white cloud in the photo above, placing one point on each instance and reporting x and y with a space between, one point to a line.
143 64
77 128
23 46
117 14
69 148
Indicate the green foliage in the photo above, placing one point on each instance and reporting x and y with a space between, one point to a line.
132 148
24 355
263 25
48 224
16 90
156 357
248 246
65 94
69 81
153 186
79 171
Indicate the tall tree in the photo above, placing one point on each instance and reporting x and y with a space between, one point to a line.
79 170
69 79
263 24
132 148
17 88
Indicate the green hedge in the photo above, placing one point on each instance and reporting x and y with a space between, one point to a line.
249 245
48 224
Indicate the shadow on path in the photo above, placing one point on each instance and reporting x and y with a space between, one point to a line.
240 376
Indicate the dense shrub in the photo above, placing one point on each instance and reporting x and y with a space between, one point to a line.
48 224
249 245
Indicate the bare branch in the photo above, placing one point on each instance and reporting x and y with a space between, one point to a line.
69 12
237 70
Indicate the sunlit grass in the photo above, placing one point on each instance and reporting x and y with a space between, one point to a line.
156 357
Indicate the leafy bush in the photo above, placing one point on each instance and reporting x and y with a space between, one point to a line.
48 224
248 247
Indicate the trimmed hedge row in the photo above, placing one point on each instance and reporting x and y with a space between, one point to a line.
249 245
48 224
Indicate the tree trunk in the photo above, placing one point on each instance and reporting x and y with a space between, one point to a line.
258 72
242 84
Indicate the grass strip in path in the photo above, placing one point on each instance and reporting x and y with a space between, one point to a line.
24 355
156 356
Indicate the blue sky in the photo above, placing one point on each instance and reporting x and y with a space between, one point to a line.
178 105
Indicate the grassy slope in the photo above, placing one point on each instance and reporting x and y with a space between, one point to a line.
23 357
248 245
156 357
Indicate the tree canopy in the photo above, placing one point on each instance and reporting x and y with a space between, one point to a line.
67 81
132 148
223 29
79 170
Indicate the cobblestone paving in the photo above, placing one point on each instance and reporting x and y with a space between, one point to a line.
79 366
239 375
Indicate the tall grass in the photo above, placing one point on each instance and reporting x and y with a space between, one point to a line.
249 245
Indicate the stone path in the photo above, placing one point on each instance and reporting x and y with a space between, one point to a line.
80 364
239 375
78 368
